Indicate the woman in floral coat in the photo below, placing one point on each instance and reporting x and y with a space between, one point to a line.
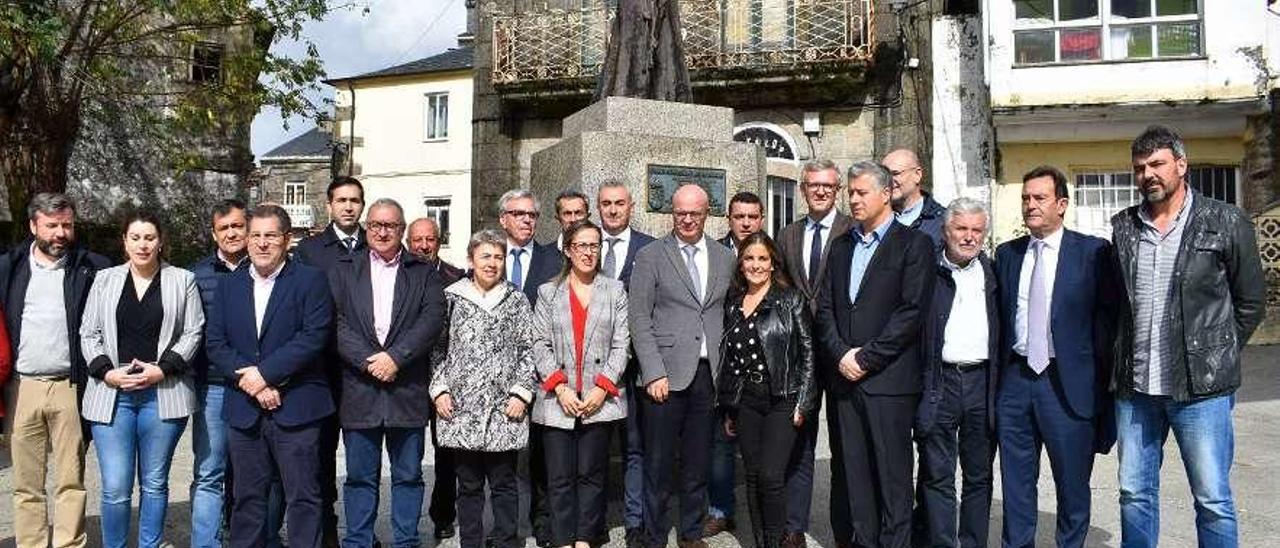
483 389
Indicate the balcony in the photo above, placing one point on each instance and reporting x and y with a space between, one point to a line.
300 215
565 47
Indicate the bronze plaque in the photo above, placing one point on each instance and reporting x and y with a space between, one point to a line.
664 180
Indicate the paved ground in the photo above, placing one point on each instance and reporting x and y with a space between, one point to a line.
1256 480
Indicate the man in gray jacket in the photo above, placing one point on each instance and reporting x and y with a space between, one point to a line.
677 294
1190 268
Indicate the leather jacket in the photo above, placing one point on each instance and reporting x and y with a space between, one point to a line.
784 324
1219 298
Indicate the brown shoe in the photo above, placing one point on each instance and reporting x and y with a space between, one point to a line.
691 543
715 526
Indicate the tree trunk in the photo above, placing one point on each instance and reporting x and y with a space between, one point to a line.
36 141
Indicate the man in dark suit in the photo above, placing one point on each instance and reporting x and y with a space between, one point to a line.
956 416
746 217
1055 293
267 331
913 206
878 284
621 243
424 241
529 265
804 245
341 238
677 315
390 310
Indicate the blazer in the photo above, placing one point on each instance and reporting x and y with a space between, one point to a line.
1080 317
323 249
289 353
886 319
605 343
180 332
545 265
417 317
638 241
667 320
791 246
935 325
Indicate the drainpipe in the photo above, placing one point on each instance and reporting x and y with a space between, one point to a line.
351 137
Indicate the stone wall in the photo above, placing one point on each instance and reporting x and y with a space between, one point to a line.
314 172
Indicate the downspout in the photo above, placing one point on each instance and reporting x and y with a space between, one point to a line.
351 135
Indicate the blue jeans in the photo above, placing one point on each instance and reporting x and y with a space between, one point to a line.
1206 441
136 440
405 447
720 480
209 441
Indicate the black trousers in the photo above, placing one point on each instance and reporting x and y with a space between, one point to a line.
577 464
539 514
444 491
680 426
498 470
800 476
871 468
959 430
257 453
766 437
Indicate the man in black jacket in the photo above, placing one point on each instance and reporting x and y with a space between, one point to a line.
956 416
390 310
44 283
1190 268
874 296
913 206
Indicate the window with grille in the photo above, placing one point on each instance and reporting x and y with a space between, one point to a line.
206 62
782 203
295 193
1068 31
438 208
1218 182
436 117
1098 196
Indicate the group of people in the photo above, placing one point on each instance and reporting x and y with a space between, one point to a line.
689 351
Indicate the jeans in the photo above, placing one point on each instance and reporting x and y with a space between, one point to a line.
766 436
209 441
633 449
720 478
136 440
1206 441
405 447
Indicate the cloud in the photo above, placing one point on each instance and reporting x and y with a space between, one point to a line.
352 42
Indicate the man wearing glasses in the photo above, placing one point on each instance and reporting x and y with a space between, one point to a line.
913 206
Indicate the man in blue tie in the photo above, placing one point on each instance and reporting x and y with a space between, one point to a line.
1055 289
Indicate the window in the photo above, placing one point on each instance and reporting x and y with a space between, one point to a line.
438 208
295 193
1217 182
1098 196
782 203
1064 31
436 119
206 62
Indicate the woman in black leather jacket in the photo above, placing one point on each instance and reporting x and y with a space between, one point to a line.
767 384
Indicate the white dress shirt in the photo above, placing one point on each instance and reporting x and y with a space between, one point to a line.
965 337
526 259
262 288
619 250
342 236
1053 243
700 259
807 244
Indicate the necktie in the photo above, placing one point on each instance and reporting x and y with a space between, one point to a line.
610 258
1038 313
350 243
517 269
815 253
689 252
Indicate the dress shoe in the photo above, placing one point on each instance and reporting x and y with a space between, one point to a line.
794 540
715 526
445 531
635 537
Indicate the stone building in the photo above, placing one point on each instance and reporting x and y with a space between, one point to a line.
295 175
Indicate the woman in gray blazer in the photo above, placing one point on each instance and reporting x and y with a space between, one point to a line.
580 351
142 325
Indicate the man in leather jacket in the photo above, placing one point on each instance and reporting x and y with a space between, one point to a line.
1190 268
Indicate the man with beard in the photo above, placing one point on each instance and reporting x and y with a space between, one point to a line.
45 283
1191 269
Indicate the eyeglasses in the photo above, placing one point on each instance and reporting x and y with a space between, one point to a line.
585 247
688 214
521 213
820 186
379 227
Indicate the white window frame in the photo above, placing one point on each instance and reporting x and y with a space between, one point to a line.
782 195
1095 217
1106 22
431 102
1238 188
438 208
298 197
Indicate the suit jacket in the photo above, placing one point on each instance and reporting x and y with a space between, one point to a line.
935 325
180 331
667 321
322 250
886 319
545 265
791 246
290 352
446 272
1080 317
417 317
638 241
605 342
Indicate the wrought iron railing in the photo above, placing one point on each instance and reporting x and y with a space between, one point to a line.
558 44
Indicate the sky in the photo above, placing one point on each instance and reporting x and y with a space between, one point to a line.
353 42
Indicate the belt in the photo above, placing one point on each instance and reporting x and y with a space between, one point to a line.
967 366
45 378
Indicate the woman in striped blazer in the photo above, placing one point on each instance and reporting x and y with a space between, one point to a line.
141 327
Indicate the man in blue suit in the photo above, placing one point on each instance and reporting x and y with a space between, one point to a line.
266 331
1055 290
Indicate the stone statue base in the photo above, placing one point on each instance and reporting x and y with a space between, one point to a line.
653 147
